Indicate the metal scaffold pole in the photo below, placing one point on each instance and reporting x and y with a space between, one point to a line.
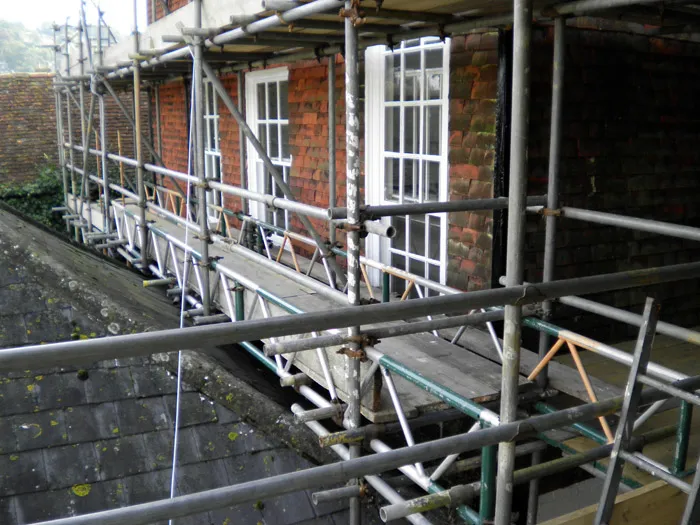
61 140
199 162
352 152
332 198
143 226
522 22
243 155
550 222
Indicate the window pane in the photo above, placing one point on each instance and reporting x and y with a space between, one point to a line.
274 150
272 100
392 128
433 275
211 134
434 237
433 58
262 135
262 103
398 285
410 180
393 78
399 241
391 179
431 182
410 129
284 99
412 85
416 235
433 86
432 130
412 43
285 141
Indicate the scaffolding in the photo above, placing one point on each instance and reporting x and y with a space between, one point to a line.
142 216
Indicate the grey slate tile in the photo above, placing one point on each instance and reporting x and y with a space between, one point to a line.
12 330
159 448
195 409
91 422
17 396
153 381
53 505
7 510
8 440
71 465
320 520
142 415
245 514
22 472
109 385
146 487
225 415
122 457
39 429
21 298
60 390
218 441
205 475
328 507
288 509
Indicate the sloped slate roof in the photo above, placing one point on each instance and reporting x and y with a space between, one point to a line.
89 437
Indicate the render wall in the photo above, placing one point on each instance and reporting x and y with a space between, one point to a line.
631 127
27 125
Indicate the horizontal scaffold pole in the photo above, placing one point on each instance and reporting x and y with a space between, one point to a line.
188 338
343 471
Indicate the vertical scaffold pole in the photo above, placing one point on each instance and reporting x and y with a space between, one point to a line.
550 223
352 150
69 121
60 138
200 172
243 157
522 22
103 135
332 198
138 143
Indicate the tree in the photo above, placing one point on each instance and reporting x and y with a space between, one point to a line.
21 48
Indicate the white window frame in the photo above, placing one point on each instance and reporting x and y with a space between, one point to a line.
255 181
212 155
375 153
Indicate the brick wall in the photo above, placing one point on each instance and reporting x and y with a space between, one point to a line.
472 131
27 125
160 9
631 124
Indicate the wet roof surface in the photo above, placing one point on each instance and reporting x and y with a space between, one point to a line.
85 438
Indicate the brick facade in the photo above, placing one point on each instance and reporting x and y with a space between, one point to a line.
27 125
157 7
631 123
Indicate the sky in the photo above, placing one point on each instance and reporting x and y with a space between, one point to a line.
32 13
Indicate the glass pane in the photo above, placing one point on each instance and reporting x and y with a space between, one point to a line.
211 134
433 58
262 135
285 141
410 180
433 275
274 150
432 127
392 88
412 61
398 285
399 241
272 100
431 182
433 85
412 43
410 129
261 102
392 129
412 85
434 237
284 99
416 235
391 179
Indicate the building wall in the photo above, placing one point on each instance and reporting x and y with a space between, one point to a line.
27 125
157 5
631 124
471 157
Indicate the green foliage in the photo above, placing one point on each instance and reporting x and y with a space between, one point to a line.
36 198
21 49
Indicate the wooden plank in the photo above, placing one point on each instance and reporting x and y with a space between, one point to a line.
561 377
655 504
